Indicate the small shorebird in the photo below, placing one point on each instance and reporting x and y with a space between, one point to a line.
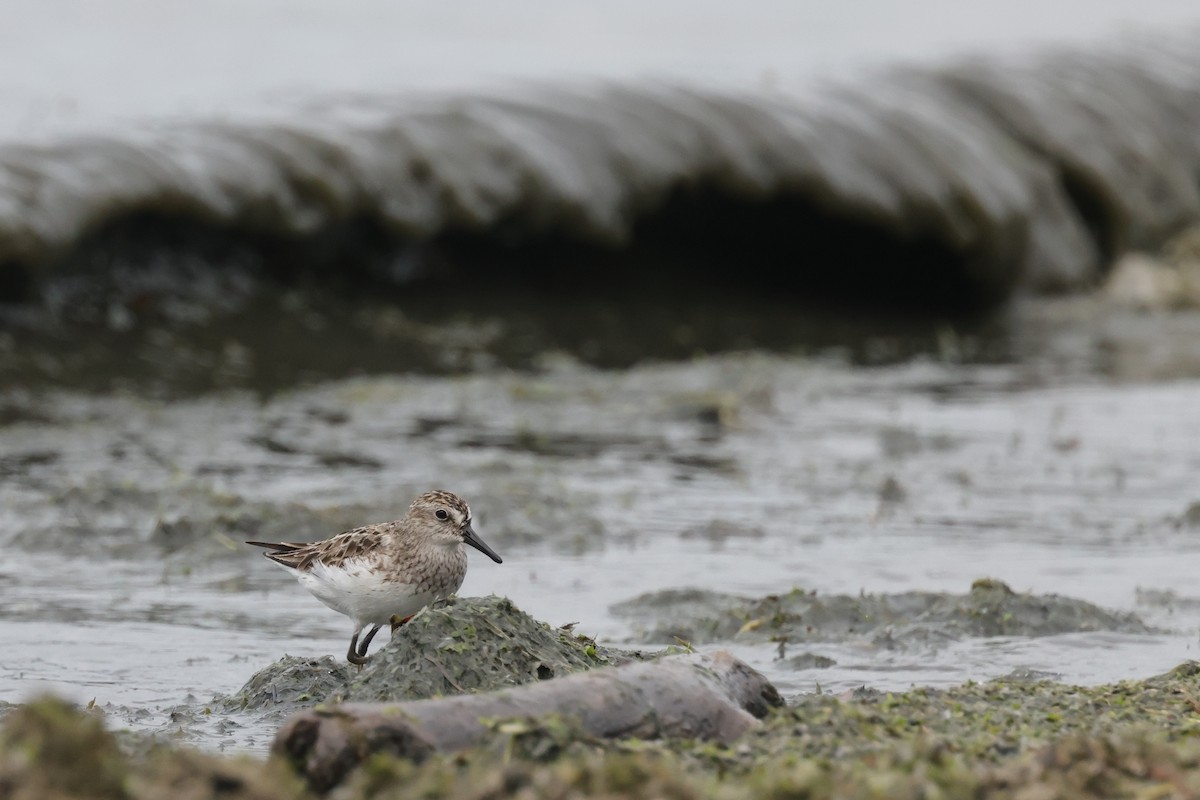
387 572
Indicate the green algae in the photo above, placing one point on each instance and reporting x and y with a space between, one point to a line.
47 749
288 684
464 644
51 750
1003 739
475 644
1138 765
990 608
984 721
1000 739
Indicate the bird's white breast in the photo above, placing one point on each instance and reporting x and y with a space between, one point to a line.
361 592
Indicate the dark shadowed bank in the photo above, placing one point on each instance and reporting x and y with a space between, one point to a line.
615 222
949 185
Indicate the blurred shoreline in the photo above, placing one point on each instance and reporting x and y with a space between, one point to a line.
948 186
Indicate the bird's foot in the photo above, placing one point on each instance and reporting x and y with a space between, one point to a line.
358 655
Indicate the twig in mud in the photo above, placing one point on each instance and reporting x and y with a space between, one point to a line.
445 674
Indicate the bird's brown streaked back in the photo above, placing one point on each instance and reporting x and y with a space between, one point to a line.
351 545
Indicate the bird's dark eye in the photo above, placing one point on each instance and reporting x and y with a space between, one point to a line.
441 514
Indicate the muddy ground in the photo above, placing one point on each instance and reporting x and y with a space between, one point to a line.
1000 511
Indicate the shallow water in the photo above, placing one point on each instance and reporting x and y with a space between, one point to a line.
1067 469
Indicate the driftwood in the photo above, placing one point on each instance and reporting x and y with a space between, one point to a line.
694 696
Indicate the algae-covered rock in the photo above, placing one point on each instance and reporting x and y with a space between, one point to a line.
290 683
464 644
984 721
991 608
184 774
1139 764
809 661
51 750
689 615
474 644
48 749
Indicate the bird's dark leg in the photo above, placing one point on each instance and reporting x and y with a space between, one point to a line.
366 642
352 655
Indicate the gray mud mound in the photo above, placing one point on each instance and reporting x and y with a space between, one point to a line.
474 644
991 608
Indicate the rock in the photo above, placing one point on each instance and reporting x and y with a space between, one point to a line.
891 491
991 608
719 531
464 644
50 750
688 615
810 661
1148 283
291 683
1191 516
474 644
713 697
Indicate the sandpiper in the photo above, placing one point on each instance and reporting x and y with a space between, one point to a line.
386 572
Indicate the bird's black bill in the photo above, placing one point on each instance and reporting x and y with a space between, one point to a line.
472 539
